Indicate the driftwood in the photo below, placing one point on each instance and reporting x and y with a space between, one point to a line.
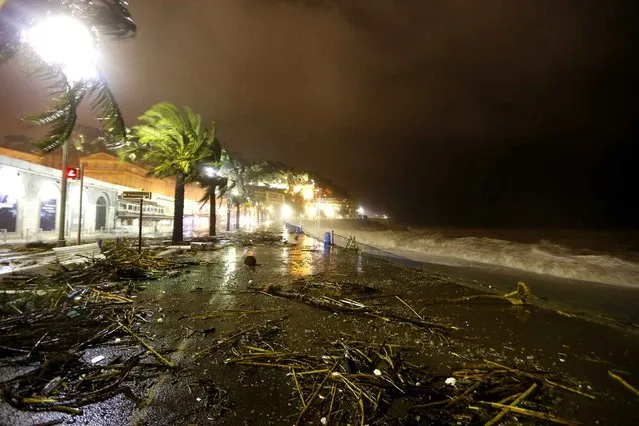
354 307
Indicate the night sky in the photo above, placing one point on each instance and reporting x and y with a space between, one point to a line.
474 113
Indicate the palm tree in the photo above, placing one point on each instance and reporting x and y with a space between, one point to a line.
211 180
107 19
172 142
238 174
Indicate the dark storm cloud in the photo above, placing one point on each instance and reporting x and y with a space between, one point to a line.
390 98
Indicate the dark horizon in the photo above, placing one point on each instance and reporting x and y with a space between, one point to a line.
452 114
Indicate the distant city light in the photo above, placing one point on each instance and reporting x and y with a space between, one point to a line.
329 211
286 211
307 191
360 210
66 42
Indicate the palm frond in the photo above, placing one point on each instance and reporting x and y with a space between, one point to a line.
111 18
107 110
171 141
60 118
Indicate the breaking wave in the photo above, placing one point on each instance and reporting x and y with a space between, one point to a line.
544 257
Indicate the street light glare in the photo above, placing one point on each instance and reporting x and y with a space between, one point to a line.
286 211
65 41
209 171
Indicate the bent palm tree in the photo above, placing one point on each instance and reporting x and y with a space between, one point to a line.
107 19
173 143
238 174
211 180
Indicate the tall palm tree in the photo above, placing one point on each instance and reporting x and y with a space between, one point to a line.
172 142
107 19
238 174
211 180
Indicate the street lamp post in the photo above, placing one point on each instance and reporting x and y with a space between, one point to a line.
63 195
66 43
212 178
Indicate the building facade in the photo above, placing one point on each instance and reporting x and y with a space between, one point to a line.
30 198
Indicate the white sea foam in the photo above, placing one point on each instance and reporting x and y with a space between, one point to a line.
543 257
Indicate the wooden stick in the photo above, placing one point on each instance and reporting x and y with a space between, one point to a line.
520 398
474 296
303 373
265 364
297 385
453 401
66 409
38 400
107 295
330 408
236 335
466 393
149 347
409 307
508 399
514 370
623 382
569 389
232 312
531 413
361 406
312 398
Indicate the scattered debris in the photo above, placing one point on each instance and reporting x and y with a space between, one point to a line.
63 315
517 297
354 307
362 382
351 244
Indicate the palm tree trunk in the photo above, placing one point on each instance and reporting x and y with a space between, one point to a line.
228 214
212 212
178 211
237 215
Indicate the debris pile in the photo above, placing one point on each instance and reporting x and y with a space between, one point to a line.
257 237
358 382
341 304
54 326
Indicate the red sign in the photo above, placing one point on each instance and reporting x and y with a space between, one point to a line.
73 173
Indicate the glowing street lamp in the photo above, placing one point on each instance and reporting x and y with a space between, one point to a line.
360 211
63 41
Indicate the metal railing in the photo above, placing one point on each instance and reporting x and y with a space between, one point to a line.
366 249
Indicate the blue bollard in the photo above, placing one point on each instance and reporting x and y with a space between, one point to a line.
117 240
99 243
327 239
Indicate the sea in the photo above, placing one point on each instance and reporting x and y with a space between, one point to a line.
599 256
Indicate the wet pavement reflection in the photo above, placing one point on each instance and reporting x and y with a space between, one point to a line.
199 308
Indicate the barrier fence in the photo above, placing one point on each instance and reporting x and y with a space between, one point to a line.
342 241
